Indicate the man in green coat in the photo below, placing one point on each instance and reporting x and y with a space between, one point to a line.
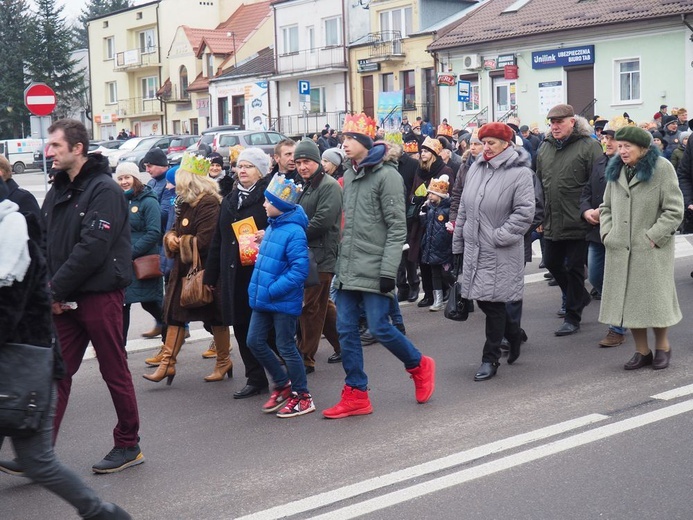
564 165
374 232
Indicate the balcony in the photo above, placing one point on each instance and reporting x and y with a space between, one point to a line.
173 93
312 59
139 107
385 45
136 59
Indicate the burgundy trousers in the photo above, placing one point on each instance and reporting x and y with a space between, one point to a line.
319 316
99 319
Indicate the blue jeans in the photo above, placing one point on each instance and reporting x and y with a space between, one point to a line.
285 332
36 457
596 253
377 308
395 313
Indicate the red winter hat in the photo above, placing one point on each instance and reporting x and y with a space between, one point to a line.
498 130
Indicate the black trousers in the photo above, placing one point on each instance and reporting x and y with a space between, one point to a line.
565 260
407 275
499 325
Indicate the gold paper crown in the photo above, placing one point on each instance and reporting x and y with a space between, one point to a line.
411 147
283 193
433 145
439 186
359 124
195 164
234 152
445 130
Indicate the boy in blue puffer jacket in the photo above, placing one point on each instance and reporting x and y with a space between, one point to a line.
276 297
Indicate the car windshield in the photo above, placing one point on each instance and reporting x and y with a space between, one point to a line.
177 142
145 143
130 144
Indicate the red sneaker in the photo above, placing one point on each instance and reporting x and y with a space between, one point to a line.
277 399
353 402
298 404
424 377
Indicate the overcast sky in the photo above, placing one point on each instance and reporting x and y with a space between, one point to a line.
74 7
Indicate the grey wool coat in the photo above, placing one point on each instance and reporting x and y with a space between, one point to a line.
496 210
639 290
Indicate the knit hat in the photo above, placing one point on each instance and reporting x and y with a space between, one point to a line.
127 168
257 158
497 130
561 111
668 120
171 174
283 193
216 158
445 143
360 127
432 145
635 135
307 149
155 156
334 155
439 186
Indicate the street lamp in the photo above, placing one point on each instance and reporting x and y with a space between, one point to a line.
232 35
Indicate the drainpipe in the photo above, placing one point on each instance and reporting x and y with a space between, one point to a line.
163 119
278 128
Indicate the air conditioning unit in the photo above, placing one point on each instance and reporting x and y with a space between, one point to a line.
471 61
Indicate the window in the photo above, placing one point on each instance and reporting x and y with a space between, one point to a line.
333 32
396 20
210 65
109 48
473 105
183 73
149 87
409 87
290 39
628 80
388 82
311 39
515 6
317 100
105 25
147 41
112 92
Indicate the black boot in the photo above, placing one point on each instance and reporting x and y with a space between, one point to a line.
111 512
426 301
413 294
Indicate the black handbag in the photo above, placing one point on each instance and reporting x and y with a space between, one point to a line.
26 383
313 278
457 308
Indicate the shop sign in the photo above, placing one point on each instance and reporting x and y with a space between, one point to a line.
505 59
563 57
368 66
510 72
447 79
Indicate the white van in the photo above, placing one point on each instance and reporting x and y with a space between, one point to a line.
20 152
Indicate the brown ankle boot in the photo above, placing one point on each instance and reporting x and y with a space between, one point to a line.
155 361
224 366
211 352
167 368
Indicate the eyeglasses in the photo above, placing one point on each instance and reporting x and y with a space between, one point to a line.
244 166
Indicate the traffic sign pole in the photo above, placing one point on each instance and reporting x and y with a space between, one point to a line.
40 100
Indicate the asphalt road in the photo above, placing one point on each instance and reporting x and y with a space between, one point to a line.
564 433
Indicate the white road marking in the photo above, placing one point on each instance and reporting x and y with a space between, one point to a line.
673 394
489 468
354 490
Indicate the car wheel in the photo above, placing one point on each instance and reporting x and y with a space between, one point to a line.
18 168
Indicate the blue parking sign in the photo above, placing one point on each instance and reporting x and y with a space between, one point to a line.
464 89
304 87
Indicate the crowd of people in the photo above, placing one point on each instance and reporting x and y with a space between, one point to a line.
327 237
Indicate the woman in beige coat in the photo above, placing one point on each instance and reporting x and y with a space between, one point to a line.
642 209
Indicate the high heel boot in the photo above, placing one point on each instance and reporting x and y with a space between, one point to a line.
224 366
175 336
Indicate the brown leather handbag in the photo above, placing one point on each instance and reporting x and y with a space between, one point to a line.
147 267
193 292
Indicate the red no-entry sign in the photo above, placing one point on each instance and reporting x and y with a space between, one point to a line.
39 98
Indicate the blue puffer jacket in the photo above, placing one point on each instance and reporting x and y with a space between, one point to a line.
436 242
282 265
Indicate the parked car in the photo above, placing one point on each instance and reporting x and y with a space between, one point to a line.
136 154
38 155
175 157
208 135
180 142
265 140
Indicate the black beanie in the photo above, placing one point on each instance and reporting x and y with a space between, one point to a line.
216 158
366 141
155 156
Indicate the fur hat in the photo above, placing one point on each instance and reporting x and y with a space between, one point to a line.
155 156
498 130
432 145
257 158
334 155
439 186
635 135
307 149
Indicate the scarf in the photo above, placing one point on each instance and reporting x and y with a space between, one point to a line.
243 193
14 247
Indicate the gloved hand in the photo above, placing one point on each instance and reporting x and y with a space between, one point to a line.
387 285
450 227
457 263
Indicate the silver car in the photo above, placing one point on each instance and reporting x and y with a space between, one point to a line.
265 140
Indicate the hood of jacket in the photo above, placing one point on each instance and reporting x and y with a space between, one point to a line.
375 156
96 164
643 168
7 207
581 129
295 216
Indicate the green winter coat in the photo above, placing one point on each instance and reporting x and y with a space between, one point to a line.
563 170
639 289
145 233
375 226
322 201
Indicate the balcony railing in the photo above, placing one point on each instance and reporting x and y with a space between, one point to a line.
312 123
385 44
137 58
138 107
311 59
173 93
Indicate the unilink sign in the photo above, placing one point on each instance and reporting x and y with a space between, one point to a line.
563 57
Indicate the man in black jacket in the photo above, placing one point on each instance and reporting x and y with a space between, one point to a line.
89 260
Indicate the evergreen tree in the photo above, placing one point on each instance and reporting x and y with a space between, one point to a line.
14 117
92 9
50 58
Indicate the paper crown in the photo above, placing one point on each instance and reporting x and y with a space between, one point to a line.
433 145
445 130
359 124
283 193
195 164
234 152
411 147
439 186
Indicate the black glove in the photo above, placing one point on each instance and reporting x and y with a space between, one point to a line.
387 285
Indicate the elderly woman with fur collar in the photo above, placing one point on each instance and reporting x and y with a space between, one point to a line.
642 209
